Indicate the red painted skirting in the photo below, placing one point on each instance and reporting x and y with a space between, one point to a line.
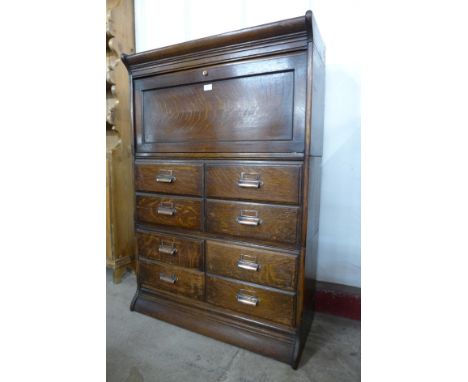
338 300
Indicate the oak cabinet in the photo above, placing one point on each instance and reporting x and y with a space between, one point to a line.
227 157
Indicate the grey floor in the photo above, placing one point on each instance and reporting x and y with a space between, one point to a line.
140 348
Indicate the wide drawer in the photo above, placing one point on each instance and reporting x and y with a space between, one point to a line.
272 305
263 182
260 266
170 211
264 222
240 107
169 177
171 249
170 278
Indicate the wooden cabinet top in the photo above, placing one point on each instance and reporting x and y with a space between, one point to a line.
296 31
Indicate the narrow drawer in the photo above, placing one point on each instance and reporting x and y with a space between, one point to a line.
264 222
272 182
168 177
260 266
256 301
169 211
171 249
170 278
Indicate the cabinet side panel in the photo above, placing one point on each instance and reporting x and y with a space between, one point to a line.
311 192
315 170
318 105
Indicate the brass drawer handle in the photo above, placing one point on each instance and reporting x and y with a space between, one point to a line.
171 279
249 217
246 299
165 176
249 180
248 263
166 208
168 249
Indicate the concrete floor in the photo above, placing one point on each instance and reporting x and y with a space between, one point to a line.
140 348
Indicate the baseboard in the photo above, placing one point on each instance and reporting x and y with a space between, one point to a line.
338 300
278 344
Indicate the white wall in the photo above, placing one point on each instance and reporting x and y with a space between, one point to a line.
159 23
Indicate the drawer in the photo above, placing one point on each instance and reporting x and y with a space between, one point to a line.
257 301
264 222
169 177
241 107
171 249
272 182
170 278
169 211
260 266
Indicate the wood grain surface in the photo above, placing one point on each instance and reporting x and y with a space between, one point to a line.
272 305
187 177
189 283
252 106
278 183
188 252
278 223
275 269
188 211
236 109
